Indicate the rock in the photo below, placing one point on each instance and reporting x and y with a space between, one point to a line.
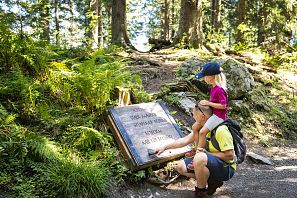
190 67
254 70
266 108
261 106
238 106
186 103
201 85
258 158
239 79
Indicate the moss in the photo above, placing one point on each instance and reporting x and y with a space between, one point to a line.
183 58
172 99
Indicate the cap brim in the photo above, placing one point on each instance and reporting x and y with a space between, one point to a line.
199 75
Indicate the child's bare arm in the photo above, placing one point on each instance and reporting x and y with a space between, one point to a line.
213 105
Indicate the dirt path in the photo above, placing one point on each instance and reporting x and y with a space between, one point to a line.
251 179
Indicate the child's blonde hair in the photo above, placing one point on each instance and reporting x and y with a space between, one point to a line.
220 79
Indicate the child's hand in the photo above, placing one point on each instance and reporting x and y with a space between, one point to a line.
204 102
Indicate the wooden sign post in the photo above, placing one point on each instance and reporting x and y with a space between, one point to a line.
140 127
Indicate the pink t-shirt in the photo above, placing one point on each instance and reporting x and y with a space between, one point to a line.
219 95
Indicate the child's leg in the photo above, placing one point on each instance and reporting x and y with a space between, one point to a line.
210 124
196 128
202 137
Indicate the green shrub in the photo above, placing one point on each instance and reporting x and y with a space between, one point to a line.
83 179
20 50
62 171
89 138
91 83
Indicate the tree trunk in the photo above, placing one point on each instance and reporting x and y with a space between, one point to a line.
100 24
166 20
213 5
262 16
71 30
241 17
190 26
216 15
93 26
118 24
173 20
45 17
57 30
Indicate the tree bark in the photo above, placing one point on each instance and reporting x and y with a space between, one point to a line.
216 15
45 17
93 26
262 16
213 3
190 27
173 20
119 24
108 15
166 20
71 30
57 23
241 18
100 24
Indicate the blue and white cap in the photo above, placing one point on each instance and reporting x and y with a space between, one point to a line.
209 69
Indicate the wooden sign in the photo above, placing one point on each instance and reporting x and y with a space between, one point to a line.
142 127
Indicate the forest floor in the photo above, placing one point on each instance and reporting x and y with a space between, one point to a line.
251 179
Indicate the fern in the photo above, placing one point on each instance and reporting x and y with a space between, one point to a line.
91 139
91 83
44 149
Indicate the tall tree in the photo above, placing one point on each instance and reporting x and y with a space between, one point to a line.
190 24
262 17
71 13
165 20
92 32
119 24
45 19
100 24
57 23
241 10
216 15
173 19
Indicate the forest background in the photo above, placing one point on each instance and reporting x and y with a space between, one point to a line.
62 60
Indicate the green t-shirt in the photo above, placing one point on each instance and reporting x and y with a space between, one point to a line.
225 141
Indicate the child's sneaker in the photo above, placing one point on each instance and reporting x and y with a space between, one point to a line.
190 153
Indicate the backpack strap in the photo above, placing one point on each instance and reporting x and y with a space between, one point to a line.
212 138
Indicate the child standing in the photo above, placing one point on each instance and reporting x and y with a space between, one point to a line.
211 72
